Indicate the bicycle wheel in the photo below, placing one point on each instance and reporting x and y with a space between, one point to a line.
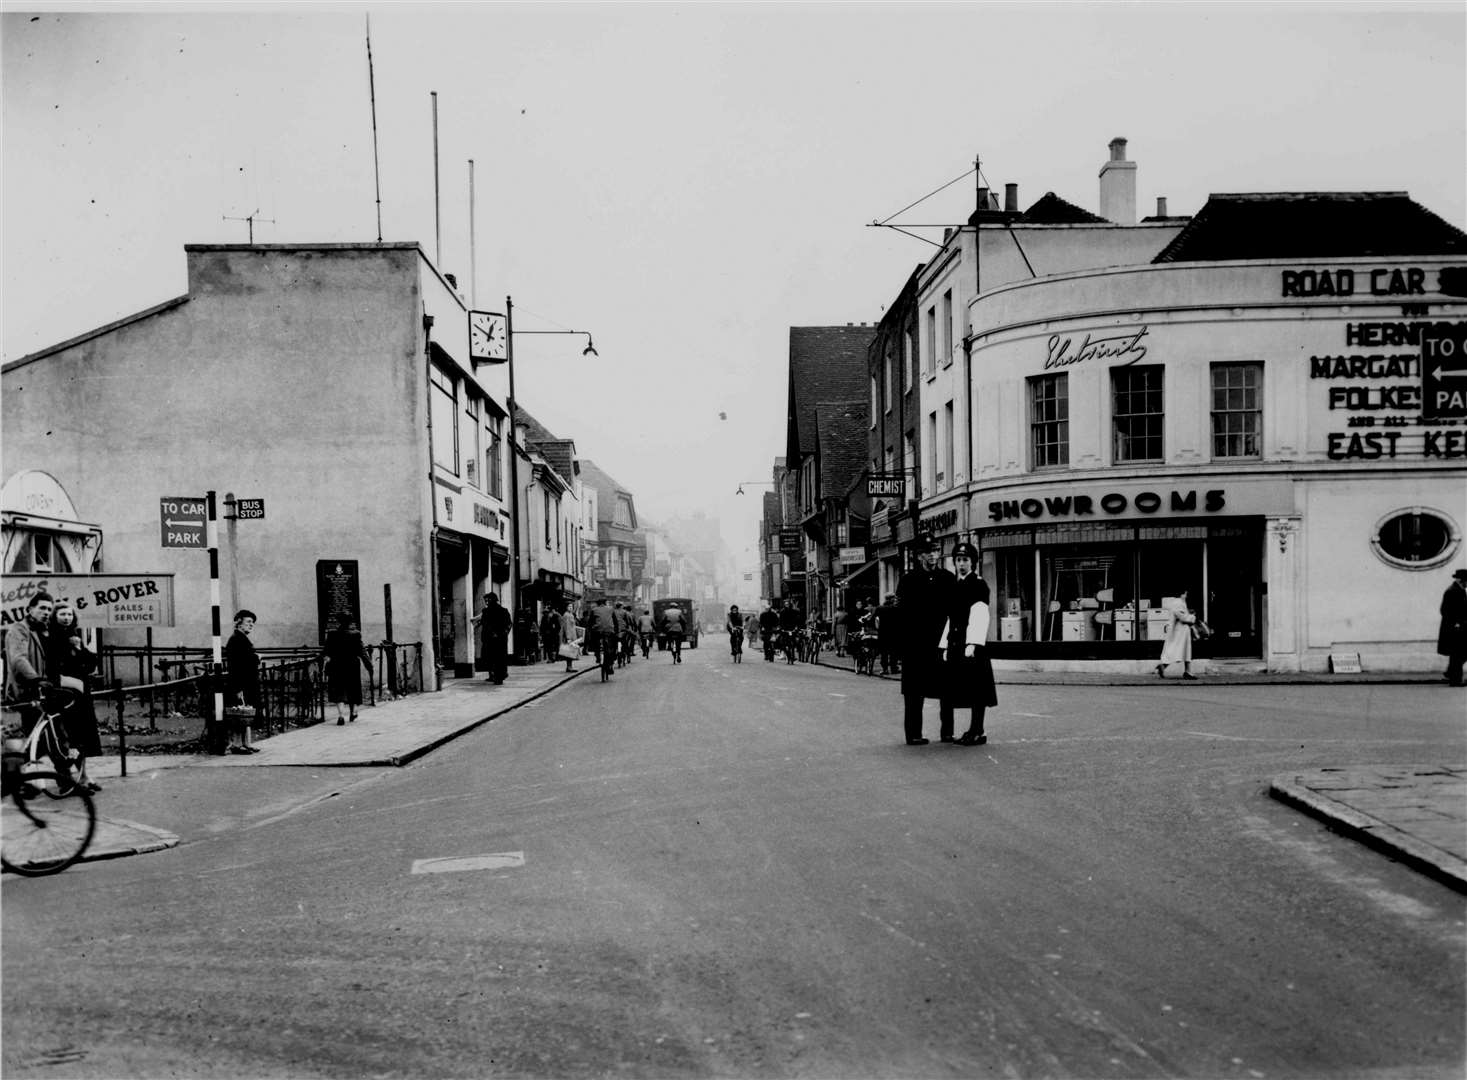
52 747
46 824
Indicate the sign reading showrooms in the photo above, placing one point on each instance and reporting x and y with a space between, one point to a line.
110 600
1131 501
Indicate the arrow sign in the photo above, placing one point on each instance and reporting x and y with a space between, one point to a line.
182 519
1444 371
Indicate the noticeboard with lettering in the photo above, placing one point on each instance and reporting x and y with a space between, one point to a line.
338 593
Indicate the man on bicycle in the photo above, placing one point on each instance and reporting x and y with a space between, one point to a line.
769 627
601 628
790 623
25 659
734 624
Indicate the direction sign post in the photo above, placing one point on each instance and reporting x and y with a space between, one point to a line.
1444 372
181 519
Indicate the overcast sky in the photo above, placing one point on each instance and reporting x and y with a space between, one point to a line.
685 181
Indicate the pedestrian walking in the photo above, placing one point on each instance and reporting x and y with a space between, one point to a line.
1451 638
241 681
344 651
1178 642
646 631
969 673
550 634
526 636
923 599
570 636
674 628
494 625
838 627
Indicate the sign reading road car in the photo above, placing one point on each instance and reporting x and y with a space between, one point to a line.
182 519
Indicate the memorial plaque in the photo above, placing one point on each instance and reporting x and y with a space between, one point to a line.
338 593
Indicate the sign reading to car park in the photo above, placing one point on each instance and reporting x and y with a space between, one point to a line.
110 600
182 519
249 508
886 485
1444 371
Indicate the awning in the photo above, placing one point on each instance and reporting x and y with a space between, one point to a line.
854 574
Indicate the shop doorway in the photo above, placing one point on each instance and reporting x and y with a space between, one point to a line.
1234 603
455 649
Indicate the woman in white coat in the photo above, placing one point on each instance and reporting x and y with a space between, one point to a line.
1178 643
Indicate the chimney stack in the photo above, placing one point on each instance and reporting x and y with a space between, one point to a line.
1161 206
1118 186
1011 198
982 198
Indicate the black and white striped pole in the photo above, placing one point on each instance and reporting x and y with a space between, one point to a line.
211 540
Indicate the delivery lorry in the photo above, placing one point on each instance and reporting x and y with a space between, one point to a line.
690 620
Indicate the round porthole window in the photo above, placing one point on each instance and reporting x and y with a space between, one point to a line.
1416 538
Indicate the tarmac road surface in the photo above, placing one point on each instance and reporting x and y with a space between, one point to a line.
718 870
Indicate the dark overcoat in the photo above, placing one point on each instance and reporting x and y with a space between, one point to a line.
969 679
923 599
345 652
1451 638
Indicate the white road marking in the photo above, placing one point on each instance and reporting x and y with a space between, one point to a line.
1229 738
504 860
837 695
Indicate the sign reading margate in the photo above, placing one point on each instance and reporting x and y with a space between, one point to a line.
111 600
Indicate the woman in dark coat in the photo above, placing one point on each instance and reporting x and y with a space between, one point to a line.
344 650
969 675
68 663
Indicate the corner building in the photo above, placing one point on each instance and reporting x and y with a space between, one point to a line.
1246 417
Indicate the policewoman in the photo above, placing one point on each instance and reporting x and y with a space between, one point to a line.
923 604
968 682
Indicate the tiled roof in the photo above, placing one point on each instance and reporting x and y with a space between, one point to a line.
606 489
559 453
1050 209
827 363
534 430
841 435
1318 224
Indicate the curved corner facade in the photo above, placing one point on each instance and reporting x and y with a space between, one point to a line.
1262 434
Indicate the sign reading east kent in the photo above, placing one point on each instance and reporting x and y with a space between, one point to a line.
182 519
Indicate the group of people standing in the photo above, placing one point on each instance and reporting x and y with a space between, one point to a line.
46 653
943 650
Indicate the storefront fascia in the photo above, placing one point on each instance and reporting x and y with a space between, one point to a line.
473 557
1083 569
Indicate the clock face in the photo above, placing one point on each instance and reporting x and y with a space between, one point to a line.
486 336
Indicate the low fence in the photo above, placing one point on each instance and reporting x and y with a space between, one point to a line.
292 684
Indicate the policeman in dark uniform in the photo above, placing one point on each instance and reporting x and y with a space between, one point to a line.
969 682
924 598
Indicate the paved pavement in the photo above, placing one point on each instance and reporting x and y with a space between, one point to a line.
1416 814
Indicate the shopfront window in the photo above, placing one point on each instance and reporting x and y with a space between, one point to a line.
1136 396
1049 420
471 437
493 470
1237 410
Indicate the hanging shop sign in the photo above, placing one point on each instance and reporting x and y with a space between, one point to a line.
852 556
790 539
892 485
110 600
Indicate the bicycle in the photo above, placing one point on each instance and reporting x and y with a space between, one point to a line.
791 645
47 819
607 657
46 745
736 645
